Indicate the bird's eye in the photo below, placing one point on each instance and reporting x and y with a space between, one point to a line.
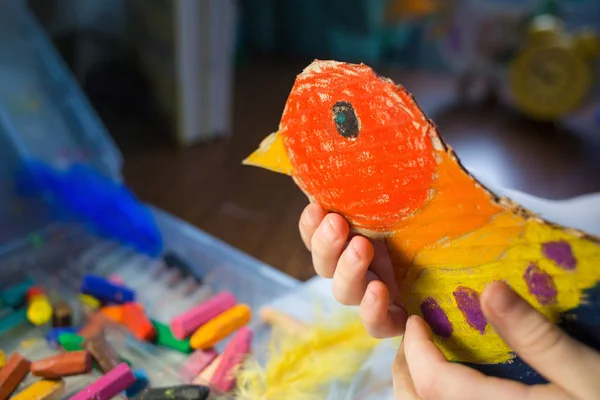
345 119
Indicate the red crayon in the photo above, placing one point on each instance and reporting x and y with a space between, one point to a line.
134 317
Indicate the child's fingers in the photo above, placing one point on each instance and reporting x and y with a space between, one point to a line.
382 267
350 276
310 219
435 378
540 343
381 319
328 243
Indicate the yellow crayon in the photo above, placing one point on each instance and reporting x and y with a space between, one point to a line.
39 310
220 327
42 390
2 359
89 301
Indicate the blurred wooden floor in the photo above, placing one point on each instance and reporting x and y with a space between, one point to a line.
257 211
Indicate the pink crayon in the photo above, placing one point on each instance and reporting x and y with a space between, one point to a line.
116 278
185 324
196 363
234 354
109 385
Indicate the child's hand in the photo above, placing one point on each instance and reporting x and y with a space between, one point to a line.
422 373
361 270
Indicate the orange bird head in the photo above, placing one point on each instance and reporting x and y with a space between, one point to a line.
357 144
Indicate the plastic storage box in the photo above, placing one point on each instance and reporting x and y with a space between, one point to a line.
48 130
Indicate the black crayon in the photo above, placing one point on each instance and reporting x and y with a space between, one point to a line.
181 392
172 260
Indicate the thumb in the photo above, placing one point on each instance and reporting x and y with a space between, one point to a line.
543 345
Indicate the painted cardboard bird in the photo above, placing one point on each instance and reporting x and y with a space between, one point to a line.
359 145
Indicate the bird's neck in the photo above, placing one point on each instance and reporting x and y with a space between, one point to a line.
458 207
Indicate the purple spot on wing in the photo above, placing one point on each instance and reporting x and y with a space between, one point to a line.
468 302
436 318
540 284
561 253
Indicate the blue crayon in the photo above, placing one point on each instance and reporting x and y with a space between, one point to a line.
14 296
54 333
141 381
106 291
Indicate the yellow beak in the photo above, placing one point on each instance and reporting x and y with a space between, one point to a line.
271 155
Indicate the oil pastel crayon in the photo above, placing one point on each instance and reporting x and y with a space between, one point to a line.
172 260
39 309
14 296
196 363
185 324
181 392
115 312
105 290
2 359
109 385
206 375
15 370
218 328
62 365
13 320
134 317
141 382
233 356
116 278
103 353
42 390
164 337
70 341
53 334
89 301
32 292
62 314
96 324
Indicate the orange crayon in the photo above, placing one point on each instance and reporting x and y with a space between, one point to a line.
218 328
134 317
115 312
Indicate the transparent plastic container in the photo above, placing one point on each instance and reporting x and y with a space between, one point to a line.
44 116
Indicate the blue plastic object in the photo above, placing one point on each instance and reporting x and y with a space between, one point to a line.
141 381
106 291
81 193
